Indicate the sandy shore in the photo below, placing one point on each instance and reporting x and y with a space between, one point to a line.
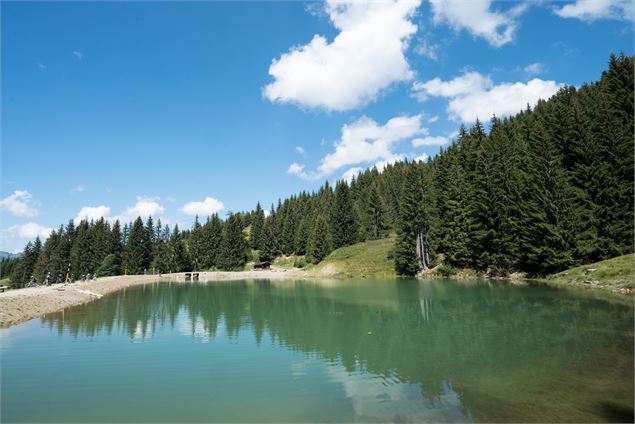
24 304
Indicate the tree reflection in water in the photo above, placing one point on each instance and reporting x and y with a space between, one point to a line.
485 351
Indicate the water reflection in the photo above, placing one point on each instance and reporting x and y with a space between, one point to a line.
403 350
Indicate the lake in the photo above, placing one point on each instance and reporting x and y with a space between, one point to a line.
298 351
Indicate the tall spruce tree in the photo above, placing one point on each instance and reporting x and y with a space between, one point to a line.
412 250
212 238
138 250
455 235
257 222
320 244
82 252
376 225
547 238
267 247
178 260
302 236
197 245
233 252
344 228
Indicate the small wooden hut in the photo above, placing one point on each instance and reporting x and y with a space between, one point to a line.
262 265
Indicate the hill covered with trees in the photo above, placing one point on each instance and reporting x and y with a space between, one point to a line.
539 192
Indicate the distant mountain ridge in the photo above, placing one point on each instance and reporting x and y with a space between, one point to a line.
7 255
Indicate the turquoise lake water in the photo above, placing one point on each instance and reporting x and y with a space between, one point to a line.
334 351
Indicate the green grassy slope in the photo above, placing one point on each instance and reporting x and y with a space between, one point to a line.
616 274
370 259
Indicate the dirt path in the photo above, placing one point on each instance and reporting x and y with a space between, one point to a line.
24 304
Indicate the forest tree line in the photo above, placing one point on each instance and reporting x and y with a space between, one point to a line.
546 189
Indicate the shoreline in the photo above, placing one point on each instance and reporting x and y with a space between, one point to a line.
20 305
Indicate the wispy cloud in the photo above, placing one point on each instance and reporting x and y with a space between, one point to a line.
476 16
298 170
79 189
79 55
18 204
592 10
534 69
30 230
427 49
429 141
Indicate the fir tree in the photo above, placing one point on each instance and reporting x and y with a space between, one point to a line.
233 252
178 260
212 238
138 250
343 222
376 226
109 266
82 252
412 247
547 227
302 236
197 245
267 248
320 244
257 222
455 238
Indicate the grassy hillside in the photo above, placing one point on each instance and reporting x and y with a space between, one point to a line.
361 260
616 274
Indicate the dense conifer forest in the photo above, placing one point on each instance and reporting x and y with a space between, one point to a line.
546 189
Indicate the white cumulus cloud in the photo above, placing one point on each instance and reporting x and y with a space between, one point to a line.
421 158
364 142
144 207
382 164
29 231
466 83
591 10
473 95
13 239
207 207
18 204
351 173
92 213
430 141
477 17
366 57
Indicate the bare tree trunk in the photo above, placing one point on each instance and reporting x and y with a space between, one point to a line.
423 255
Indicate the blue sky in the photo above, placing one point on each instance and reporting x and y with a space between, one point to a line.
173 109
